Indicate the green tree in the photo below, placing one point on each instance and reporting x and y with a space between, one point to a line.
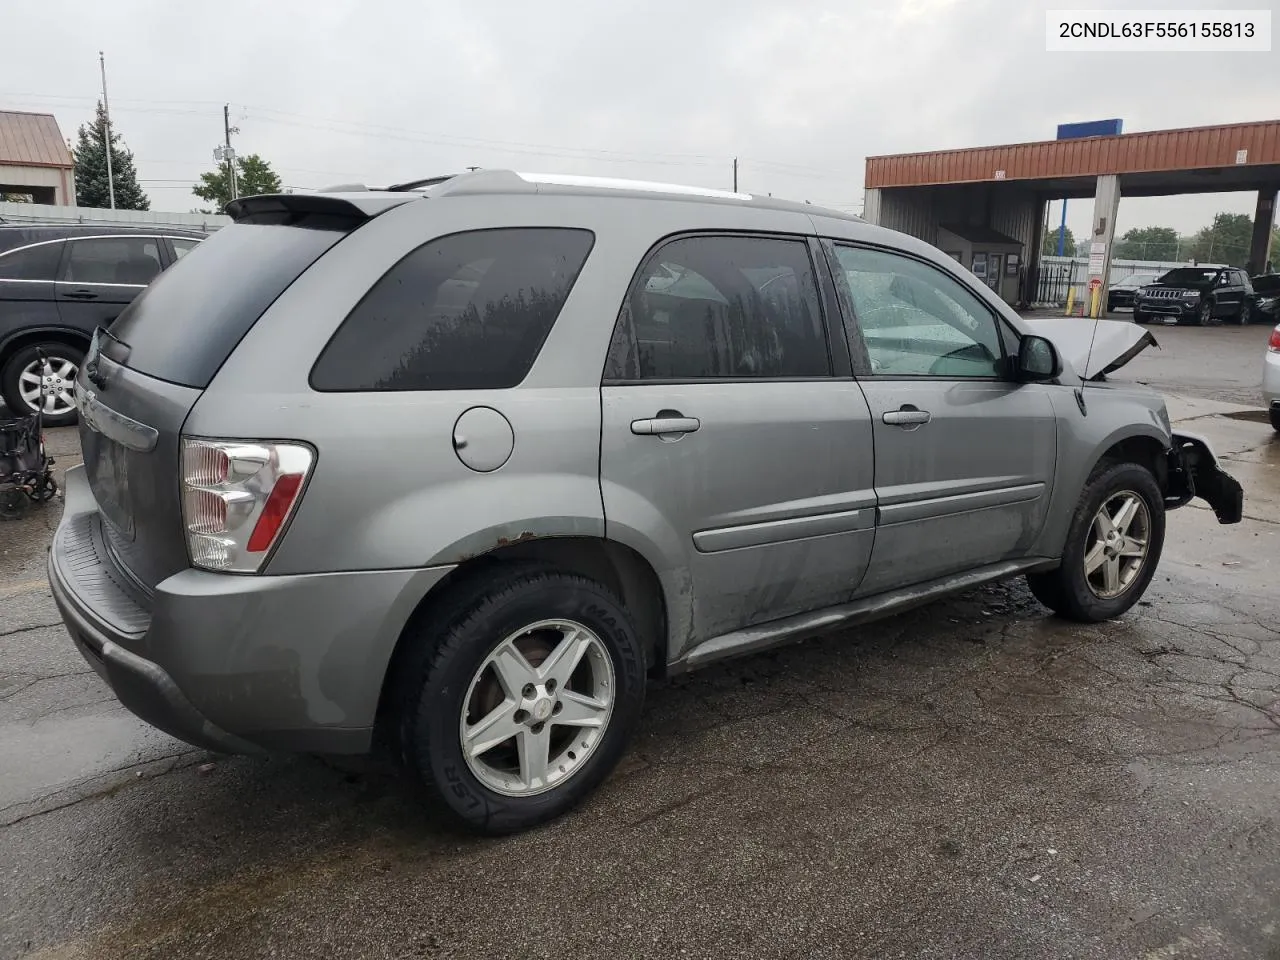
90 157
254 176
1049 245
1148 243
1226 240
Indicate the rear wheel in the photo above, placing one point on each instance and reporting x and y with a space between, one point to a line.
525 699
1275 418
24 378
1244 316
1112 550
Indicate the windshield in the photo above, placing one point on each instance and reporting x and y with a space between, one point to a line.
1189 276
1133 280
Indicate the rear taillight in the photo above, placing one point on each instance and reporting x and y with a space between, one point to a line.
1274 343
237 497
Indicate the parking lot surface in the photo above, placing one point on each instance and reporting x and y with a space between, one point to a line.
973 779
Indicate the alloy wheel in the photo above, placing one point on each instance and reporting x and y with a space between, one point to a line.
1117 544
537 708
51 390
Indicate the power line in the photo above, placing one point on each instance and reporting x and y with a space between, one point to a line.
404 134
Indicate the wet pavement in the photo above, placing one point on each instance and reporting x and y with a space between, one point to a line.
973 779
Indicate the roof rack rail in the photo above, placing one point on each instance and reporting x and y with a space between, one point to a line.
419 184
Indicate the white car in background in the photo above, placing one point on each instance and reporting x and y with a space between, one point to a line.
1271 378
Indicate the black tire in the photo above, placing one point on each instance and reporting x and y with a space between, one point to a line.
1244 316
1203 315
449 648
1275 418
56 353
1067 591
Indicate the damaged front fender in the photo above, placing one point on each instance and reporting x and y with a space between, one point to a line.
1194 472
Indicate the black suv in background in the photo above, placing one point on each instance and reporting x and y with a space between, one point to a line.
57 284
1199 295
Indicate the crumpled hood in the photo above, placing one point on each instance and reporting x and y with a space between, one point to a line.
1114 342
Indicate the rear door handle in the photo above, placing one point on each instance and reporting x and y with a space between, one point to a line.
907 416
657 426
81 295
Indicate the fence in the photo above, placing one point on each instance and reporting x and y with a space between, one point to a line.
46 213
1059 274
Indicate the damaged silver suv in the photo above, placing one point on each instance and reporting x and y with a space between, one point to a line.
458 466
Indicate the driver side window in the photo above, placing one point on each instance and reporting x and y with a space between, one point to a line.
915 320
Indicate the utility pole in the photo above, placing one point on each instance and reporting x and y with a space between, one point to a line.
230 154
106 132
735 174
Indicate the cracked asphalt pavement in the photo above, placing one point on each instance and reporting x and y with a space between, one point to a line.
972 779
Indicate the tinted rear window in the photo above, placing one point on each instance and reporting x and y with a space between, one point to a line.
183 327
32 263
463 312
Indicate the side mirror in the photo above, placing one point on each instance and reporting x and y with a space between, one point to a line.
1037 360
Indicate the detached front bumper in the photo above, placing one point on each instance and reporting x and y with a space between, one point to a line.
1194 472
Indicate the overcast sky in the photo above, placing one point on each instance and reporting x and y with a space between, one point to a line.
801 90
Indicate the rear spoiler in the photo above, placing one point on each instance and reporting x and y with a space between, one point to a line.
353 208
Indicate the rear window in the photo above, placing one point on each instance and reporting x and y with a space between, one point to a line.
183 327
463 312
128 260
39 262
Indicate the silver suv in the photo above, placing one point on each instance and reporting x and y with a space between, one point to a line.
459 468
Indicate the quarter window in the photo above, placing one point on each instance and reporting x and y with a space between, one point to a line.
128 260
715 308
463 312
38 262
915 320
181 246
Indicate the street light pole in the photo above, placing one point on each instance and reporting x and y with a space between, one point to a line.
106 132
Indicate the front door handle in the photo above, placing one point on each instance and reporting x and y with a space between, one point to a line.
81 295
906 416
658 426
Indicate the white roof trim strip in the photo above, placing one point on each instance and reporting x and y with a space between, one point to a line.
614 183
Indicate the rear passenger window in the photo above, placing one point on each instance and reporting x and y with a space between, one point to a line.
716 308
31 263
463 312
129 260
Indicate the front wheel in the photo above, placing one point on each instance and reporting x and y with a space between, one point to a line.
525 700
1275 418
1113 547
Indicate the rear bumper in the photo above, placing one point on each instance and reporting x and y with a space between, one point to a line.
1194 473
142 687
1271 379
228 662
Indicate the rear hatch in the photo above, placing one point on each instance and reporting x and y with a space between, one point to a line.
141 378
